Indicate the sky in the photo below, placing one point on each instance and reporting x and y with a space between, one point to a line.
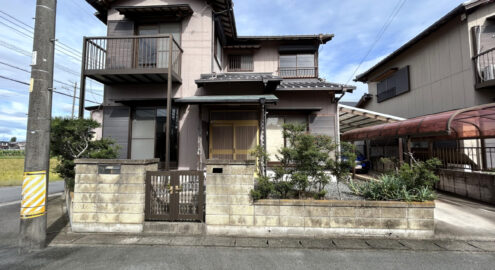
365 32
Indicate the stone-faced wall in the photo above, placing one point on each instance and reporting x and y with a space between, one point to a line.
475 185
110 201
230 211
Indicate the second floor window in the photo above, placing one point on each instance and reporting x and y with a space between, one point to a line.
240 63
297 66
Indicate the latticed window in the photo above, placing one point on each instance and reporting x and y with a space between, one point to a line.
241 63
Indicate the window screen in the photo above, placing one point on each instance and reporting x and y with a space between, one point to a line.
297 65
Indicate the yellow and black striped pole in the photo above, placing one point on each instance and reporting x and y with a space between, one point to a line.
33 203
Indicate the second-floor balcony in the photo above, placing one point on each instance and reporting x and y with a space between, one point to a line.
484 68
132 59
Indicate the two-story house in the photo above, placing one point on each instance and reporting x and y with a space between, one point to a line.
182 86
450 65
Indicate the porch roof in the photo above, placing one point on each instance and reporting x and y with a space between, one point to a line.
470 123
351 118
228 99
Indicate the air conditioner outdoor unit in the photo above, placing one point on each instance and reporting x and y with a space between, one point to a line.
489 73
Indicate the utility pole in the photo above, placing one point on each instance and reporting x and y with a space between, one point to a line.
36 165
74 99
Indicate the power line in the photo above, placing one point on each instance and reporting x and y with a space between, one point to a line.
14 80
87 9
387 23
24 25
16 19
63 51
26 53
12 66
54 91
60 82
63 48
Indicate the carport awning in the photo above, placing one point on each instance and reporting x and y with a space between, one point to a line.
470 123
351 118
227 99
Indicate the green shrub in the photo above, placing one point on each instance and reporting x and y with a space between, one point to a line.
12 153
72 139
262 189
303 162
409 183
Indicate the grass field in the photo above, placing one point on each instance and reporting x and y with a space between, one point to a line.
12 169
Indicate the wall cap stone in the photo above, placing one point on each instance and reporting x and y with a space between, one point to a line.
117 161
346 203
229 162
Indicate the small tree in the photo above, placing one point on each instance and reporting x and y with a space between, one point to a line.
72 139
304 159
13 139
343 163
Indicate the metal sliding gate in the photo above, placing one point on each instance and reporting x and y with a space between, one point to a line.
175 196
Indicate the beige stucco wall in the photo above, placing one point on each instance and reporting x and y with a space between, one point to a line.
197 33
441 75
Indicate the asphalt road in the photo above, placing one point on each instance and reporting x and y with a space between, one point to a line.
12 194
180 257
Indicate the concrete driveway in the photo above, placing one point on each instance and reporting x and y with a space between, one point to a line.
462 219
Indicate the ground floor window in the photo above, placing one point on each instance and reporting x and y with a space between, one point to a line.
148 133
274 131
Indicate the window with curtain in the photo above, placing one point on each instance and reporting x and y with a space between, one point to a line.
297 66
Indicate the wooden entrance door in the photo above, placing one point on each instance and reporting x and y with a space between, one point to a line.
233 140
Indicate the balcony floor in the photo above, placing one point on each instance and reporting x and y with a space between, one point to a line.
136 75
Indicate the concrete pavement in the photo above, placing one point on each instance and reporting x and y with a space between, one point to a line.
173 257
462 219
125 251
12 194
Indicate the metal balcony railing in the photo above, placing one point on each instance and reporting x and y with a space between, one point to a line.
107 55
298 72
484 67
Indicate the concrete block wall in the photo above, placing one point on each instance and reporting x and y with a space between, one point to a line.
230 211
475 185
227 193
110 202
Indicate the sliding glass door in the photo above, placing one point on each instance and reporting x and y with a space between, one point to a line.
143 133
148 136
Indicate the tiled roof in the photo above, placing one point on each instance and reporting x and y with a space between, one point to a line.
312 84
219 77
280 83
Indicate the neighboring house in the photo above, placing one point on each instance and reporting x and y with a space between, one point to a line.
4 145
178 72
96 114
21 145
450 65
